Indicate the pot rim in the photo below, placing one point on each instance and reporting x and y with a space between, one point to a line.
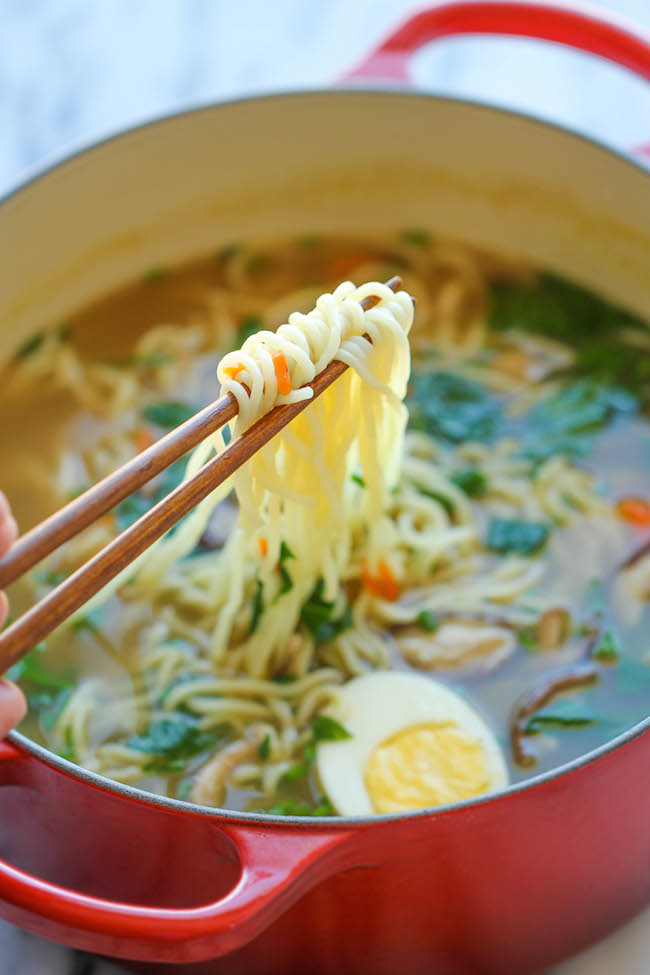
265 819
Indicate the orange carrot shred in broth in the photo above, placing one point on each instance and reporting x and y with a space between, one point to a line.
264 546
282 373
634 510
384 584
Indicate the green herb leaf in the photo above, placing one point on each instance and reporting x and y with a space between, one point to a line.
606 649
51 713
567 312
529 639
183 791
443 499
325 728
286 584
316 615
258 606
285 552
31 669
296 772
154 274
69 752
31 345
51 577
358 480
264 748
417 237
565 712
247 327
168 413
284 678
129 510
428 621
290 808
471 480
523 537
453 408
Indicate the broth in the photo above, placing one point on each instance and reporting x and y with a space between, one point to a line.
531 394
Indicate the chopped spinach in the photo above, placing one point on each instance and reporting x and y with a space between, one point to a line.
183 791
69 752
129 510
247 327
471 480
258 606
154 274
51 577
287 807
562 423
50 705
567 312
284 678
428 621
606 649
316 615
31 345
453 408
264 748
295 772
31 669
168 413
443 499
285 552
417 237
172 741
514 535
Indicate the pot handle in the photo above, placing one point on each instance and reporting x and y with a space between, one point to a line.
592 30
278 865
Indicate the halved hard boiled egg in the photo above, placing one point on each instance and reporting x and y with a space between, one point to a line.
413 743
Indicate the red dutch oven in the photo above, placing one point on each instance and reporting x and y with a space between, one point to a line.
507 884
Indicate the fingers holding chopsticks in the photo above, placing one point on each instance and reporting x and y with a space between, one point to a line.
12 701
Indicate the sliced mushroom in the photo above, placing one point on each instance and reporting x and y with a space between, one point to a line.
209 786
481 646
553 628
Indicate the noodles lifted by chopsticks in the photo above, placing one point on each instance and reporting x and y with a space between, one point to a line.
301 503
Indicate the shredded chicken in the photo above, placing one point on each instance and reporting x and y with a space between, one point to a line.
457 644
209 786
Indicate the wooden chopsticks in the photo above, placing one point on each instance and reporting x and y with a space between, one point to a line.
77 589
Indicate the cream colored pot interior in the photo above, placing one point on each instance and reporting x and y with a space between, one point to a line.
316 162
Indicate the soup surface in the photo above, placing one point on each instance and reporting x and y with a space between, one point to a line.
521 517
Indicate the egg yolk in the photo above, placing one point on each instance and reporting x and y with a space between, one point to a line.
426 765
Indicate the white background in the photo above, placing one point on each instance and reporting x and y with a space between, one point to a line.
72 71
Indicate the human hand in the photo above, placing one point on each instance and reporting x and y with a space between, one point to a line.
12 701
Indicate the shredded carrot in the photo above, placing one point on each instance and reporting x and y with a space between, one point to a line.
264 546
282 373
384 584
233 371
388 581
635 510
142 438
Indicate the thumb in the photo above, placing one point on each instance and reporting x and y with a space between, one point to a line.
12 706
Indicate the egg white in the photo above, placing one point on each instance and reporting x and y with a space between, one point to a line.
376 706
